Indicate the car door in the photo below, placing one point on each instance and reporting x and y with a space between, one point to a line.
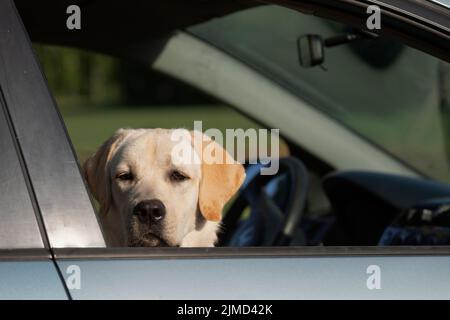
94 272
257 273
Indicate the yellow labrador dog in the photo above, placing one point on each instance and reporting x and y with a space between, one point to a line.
148 199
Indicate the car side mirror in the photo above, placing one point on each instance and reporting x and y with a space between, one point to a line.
310 50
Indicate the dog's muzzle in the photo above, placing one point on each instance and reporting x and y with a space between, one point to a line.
149 215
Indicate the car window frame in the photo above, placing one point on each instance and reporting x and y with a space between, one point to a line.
19 187
68 252
47 152
244 252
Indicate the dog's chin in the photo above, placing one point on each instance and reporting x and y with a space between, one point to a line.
148 240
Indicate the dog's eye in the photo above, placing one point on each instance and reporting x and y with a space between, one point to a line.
125 176
178 176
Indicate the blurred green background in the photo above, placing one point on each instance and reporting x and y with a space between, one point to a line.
97 94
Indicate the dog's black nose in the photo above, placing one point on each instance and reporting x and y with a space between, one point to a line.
150 210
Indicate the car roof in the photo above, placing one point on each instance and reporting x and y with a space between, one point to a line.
138 27
108 26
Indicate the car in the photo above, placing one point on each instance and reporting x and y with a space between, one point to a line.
363 112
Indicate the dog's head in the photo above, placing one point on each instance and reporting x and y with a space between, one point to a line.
148 198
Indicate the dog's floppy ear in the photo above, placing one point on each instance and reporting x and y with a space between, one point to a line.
221 176
96 170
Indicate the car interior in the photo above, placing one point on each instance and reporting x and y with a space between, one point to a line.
395 191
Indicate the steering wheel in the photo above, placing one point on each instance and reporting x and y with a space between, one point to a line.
276 206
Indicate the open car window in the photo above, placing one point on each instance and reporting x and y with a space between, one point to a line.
351 170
